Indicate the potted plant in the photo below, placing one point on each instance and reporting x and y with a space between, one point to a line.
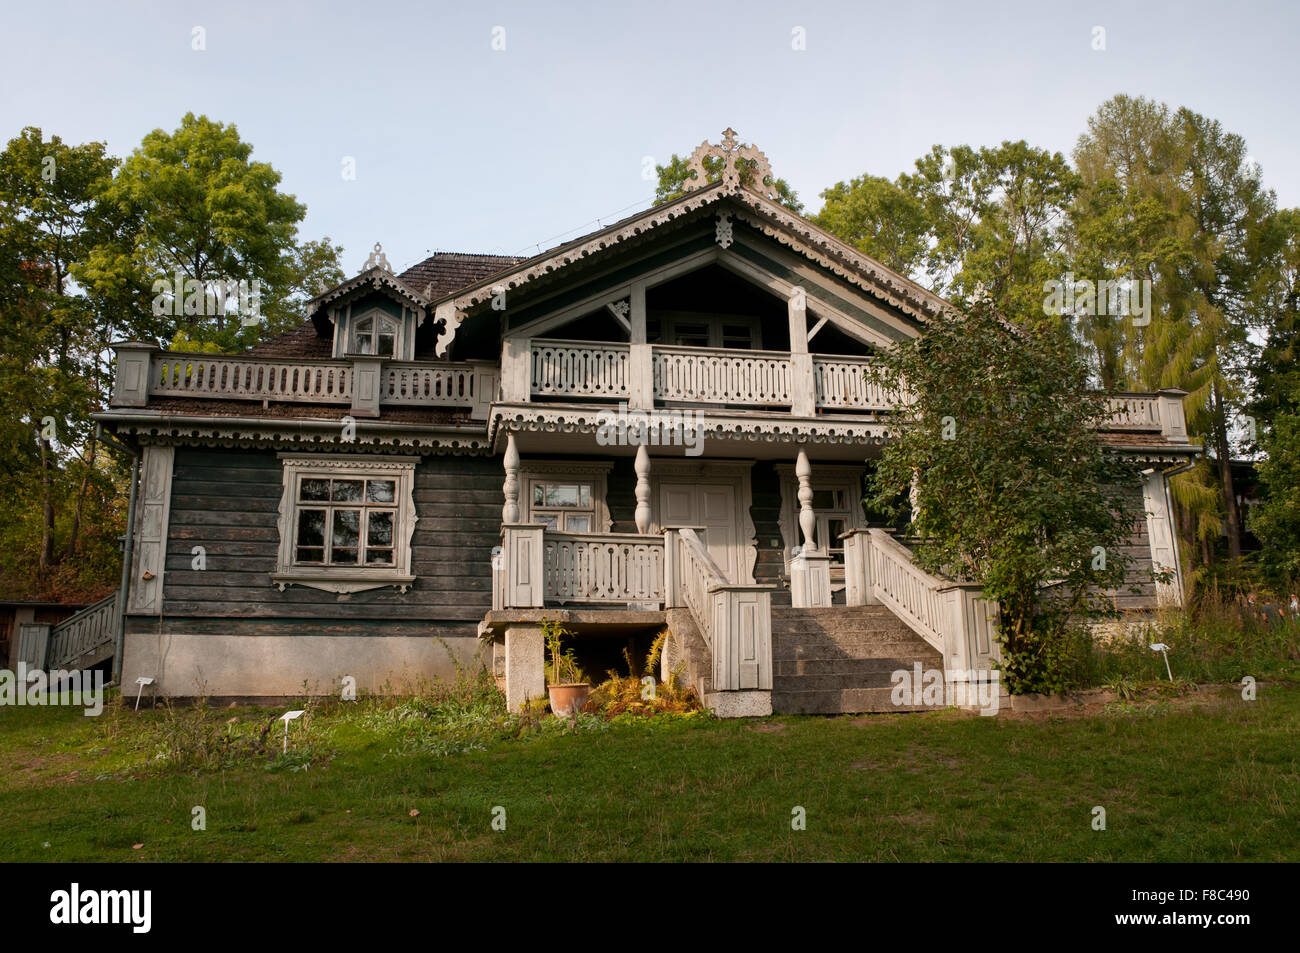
565 682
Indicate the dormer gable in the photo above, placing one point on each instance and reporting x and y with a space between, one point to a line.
373 314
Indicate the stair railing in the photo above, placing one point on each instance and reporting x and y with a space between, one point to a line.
77 638
953 617
735 620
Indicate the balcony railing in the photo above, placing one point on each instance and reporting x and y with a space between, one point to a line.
715 376
612 568
363 384
550 369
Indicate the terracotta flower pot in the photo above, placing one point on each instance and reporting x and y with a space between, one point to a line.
568 699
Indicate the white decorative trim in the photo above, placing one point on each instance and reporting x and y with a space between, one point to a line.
351 578
714 424
722 231
153 512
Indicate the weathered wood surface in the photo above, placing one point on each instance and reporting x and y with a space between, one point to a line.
227 501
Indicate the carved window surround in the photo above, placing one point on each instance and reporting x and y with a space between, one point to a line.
346 578
532 472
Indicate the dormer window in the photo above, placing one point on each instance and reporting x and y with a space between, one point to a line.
375 334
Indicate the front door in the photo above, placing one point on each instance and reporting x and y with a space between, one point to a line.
711 505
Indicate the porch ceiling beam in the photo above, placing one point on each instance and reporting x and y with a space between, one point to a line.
648 279
782 288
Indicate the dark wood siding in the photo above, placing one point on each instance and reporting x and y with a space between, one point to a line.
765 511
227 501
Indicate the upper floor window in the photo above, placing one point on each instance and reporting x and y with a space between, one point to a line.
694 330
375 334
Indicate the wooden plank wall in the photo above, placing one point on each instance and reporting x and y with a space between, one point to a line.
227 502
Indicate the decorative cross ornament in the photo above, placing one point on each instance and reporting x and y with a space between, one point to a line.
377 257
731 151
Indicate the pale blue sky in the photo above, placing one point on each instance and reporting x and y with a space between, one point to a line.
460 147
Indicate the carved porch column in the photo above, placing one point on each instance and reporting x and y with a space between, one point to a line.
642 490
807 517
510 511
810 569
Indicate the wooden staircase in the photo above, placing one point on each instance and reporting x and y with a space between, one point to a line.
840 659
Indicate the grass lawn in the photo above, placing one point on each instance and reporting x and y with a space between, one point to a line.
1206 777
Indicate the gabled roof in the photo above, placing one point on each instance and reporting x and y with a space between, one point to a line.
439 275
758 210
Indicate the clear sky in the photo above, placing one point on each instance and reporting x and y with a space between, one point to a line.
462 147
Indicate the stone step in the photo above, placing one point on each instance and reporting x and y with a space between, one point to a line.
844 701
832 682
794 668
817 628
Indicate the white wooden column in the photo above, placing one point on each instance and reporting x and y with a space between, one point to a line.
640 370
807 516
810 569
802 386
510 489
642 489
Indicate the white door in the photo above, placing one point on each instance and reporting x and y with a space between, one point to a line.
712 506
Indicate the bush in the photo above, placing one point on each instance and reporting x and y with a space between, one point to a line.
1215 642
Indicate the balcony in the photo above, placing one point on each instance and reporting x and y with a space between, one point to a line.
769 380
647 375
362 384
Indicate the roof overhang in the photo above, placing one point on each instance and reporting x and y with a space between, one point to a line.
759 211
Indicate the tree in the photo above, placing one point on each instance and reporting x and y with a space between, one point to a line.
1173 197
965 217
51 368
674 175
1009 483
199 228
880 218
1276 518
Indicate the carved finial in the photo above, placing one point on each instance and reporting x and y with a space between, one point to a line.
377 257
731 151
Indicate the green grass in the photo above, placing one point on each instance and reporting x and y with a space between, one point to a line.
1197 778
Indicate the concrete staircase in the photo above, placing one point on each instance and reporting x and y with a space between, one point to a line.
839 660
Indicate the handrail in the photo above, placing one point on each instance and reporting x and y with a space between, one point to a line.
80 634
911 593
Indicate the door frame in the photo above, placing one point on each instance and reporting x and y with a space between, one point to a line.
732 473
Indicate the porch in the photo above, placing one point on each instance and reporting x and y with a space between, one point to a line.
696 580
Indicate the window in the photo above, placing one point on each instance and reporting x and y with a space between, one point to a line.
566 507
833 516
566 496
346 524
683 329
375 334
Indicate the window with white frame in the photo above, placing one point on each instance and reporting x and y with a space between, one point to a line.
346 523
376 334
567 507
567 498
